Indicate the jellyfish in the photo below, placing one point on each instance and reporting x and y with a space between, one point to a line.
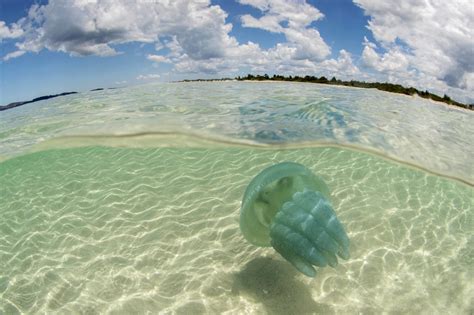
287 207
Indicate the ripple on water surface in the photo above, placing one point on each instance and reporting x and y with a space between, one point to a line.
115 230
409 129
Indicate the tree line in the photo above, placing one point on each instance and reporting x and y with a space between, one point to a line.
383 86
388 87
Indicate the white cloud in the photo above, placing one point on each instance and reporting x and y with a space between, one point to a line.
194 33
343 67
14 31
394 60
14 54
302 52
432 39
298 14
83 28
291 18
158 58
152 76
159 46
424 43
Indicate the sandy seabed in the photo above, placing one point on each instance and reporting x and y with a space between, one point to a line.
129 230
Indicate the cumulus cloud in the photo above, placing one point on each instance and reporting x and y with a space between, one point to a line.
158 58
302 52
432 38
392 61
152 76
83 28
424 43
343 66
195 33
14 54
297 14
293 19
14 31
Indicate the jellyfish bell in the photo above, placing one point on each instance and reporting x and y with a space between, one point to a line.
267 192
287 206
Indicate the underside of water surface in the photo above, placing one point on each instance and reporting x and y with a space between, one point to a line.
413 130
128 230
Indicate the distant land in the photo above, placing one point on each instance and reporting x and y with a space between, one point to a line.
388 87
42 98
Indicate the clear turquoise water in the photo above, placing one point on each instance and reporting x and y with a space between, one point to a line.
127 201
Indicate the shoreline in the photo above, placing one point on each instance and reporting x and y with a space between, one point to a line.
45 97
416 96
380 86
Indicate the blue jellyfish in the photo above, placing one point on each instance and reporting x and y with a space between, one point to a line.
287 206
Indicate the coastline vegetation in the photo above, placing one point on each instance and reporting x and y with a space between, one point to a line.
388 87
41 98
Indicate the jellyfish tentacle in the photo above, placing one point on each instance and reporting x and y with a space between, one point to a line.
337 232
323 213
306 218
286 252
298 242
299 220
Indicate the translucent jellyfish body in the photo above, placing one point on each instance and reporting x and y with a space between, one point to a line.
287 206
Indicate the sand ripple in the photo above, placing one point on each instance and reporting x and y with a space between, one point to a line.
108 230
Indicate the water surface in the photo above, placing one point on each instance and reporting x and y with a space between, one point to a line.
411 129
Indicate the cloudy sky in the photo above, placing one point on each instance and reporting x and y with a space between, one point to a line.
61 45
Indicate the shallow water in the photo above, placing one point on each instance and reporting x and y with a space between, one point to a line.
410 129
148 221
116 230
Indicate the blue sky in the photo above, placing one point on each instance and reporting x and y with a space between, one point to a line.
49 47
